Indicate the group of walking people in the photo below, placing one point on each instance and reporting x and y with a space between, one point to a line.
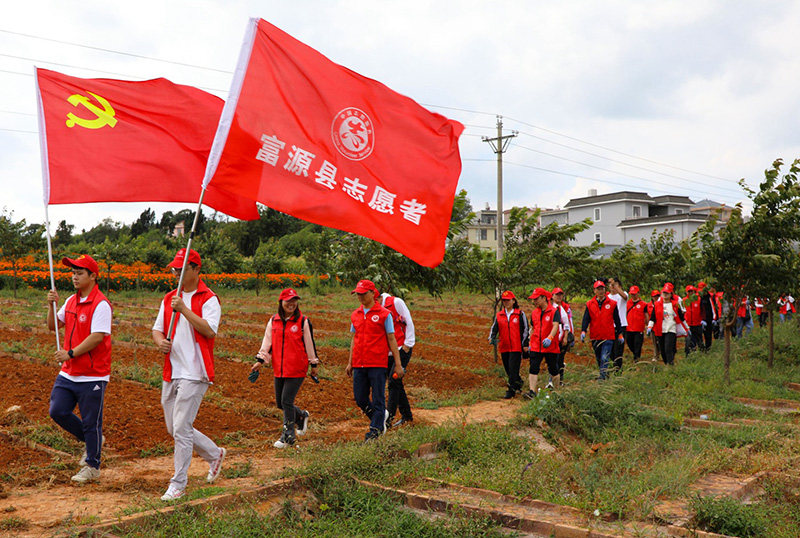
185 329
612 317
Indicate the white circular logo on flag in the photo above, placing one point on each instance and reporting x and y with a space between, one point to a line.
376 318
82 318
294 328
608 306
514 320
547 318
353 133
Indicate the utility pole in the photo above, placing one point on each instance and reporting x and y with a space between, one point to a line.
499 146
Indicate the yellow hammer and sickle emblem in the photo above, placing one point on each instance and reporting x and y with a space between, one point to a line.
105 116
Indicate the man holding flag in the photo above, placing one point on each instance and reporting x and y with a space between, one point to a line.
188 368
85 362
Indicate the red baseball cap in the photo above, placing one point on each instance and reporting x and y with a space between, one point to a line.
539 292
364 286
508 295
177 263
668 287
599 284
287 294
654 293
690 288
634 289
557 290
701 285
82 262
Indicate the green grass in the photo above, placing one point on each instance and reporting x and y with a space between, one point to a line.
238 470
150 375
336 509
342 342
160 449
14 523
49 435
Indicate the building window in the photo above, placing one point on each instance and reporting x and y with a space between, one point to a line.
637 211
483 234
597 238
597 214
679 211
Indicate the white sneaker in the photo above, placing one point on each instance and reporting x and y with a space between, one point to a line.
385 420
86 474
550 386
173 494
215 468
82 460
302 426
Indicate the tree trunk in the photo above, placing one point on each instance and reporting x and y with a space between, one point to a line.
771 340
14 282
726 352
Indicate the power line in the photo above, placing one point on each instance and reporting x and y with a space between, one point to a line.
117 52
614 160
93 69
595 179
616 151
613 171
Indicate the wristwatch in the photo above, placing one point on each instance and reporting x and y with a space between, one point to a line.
71 354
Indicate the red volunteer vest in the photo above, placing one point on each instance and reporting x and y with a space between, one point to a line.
399 321
742 312
370 347
509 332
77 326
601 326
658 315
694 314
199 298
636 312
541 325
289 357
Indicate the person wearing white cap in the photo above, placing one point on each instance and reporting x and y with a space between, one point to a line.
188 369
85 362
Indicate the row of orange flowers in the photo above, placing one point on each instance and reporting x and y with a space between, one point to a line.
155 281
37 263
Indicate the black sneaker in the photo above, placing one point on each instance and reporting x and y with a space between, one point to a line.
529 395
403 420
371 435
509 394
302 425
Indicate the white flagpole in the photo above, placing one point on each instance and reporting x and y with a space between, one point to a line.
185 262
52 277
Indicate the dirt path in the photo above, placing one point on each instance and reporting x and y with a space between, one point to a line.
138 483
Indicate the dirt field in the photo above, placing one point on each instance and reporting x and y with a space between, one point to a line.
451 356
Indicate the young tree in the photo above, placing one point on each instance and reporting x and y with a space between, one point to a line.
18 239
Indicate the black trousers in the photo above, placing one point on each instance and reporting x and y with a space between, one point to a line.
511 362
694 340
667 343
708 335
617 350
397 391
561 357
635 342
286 389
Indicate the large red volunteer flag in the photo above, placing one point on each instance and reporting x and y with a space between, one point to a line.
109 140
316 140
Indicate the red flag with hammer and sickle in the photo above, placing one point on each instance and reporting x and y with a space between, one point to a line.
107 140
318 141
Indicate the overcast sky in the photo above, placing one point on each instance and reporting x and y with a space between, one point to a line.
668 97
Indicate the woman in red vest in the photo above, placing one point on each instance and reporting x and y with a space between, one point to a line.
510 332
694 319
664 323
289 345
545 324
636 311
